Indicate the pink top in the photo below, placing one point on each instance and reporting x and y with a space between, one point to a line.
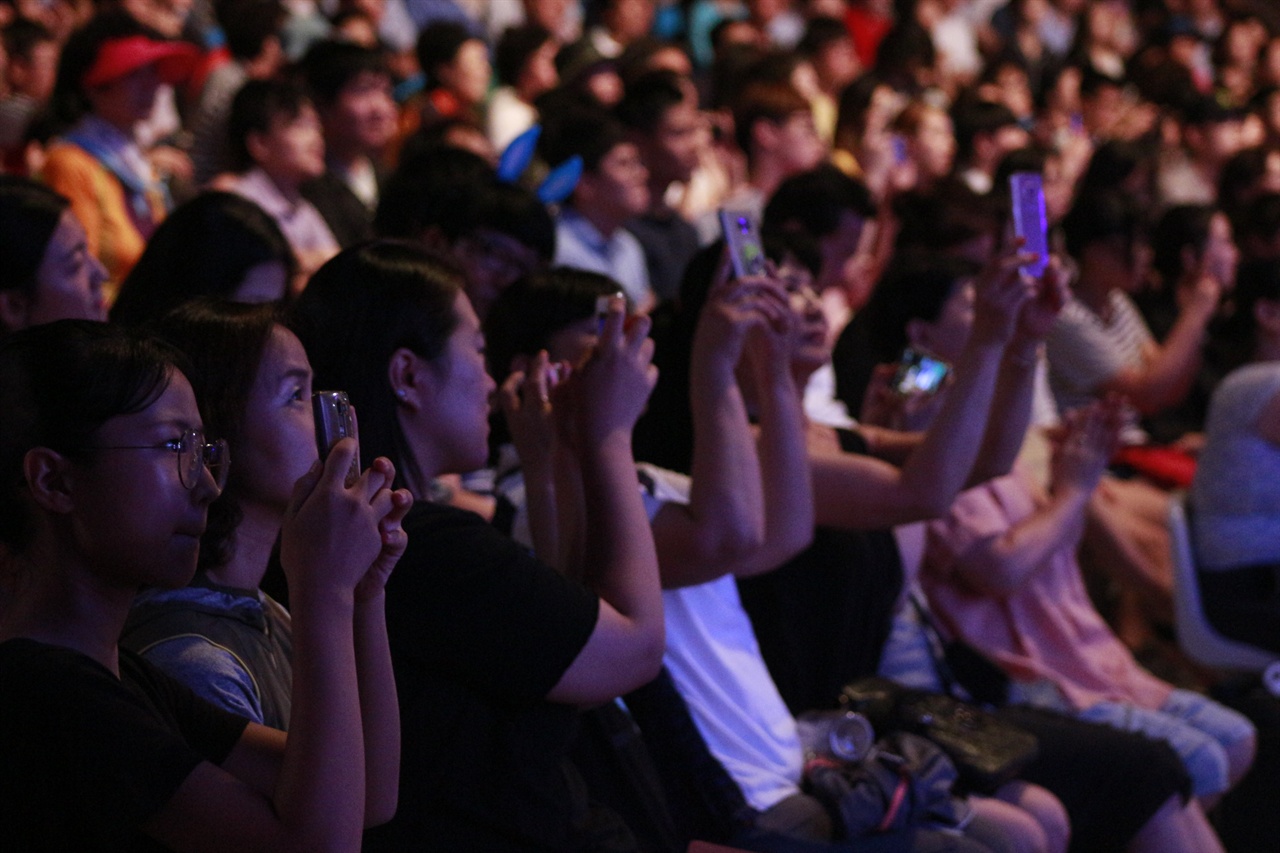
1049 629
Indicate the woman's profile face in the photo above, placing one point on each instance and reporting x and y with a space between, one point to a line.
69 280
132 519
277 443
456 418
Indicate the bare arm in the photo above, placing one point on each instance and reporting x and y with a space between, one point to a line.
1168 373
621 565
1001 565
724 519
315 800
858 492
1015 384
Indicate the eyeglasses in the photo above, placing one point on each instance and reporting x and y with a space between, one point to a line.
193 454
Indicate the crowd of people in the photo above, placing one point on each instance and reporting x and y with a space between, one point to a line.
694 498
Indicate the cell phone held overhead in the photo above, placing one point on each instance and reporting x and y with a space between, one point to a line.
335 420
742 236
919 373
1029 221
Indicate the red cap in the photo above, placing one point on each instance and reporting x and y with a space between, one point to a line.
120 57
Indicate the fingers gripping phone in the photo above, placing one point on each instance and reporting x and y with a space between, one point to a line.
742 236
1029 222
335 420
919 373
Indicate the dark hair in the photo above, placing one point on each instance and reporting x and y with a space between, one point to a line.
771 102
943 218
1181 227
1261 220
247 24
515 46
22 36
1113 163
809 206
203 248
647 99
1255 281
223 343
819 34
61 382
331 66
914 288
524 317
971 117
29 215
851 112
1100 215
427 189
438 44
1239 180
358 309
589 133
255 107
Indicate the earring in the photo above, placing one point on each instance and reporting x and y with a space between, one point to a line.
401 393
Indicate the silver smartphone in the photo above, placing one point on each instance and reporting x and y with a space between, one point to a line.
335 420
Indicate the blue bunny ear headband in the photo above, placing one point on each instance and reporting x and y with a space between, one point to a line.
517 156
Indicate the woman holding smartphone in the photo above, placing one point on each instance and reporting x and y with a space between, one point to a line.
493 649
221 635
108 479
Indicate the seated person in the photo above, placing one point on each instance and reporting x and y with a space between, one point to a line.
50 274
107 485
277 146
1235 508
219 245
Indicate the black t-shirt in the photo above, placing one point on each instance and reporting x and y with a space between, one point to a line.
85 757
480 631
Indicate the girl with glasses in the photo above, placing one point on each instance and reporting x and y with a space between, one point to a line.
98 749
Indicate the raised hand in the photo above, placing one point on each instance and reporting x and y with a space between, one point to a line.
331 535
394 539
1001 290
525 399
1090 439
611 389
1051 293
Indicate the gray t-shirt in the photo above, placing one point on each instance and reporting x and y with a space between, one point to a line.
1236 492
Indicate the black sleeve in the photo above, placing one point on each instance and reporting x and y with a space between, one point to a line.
476 607
93 755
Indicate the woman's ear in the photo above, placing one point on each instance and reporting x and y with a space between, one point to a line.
406 374
256 144
47 473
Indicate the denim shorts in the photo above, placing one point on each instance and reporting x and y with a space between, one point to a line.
1199 729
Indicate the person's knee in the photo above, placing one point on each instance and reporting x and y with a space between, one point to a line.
1047 810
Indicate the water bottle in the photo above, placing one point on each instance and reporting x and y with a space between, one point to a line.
845 735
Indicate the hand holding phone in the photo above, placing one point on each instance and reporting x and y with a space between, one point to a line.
919 373
335 420
742 236
1029 222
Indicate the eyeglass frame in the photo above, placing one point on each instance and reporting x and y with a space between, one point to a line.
213 456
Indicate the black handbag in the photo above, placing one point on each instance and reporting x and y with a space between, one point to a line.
904 781
987 751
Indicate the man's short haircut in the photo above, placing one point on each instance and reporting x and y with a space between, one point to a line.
331 66
647 99
819 34
973 116
247 24
1098 216
1093 81
771 102
588 133
809 206
515 46
438 44
256 106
